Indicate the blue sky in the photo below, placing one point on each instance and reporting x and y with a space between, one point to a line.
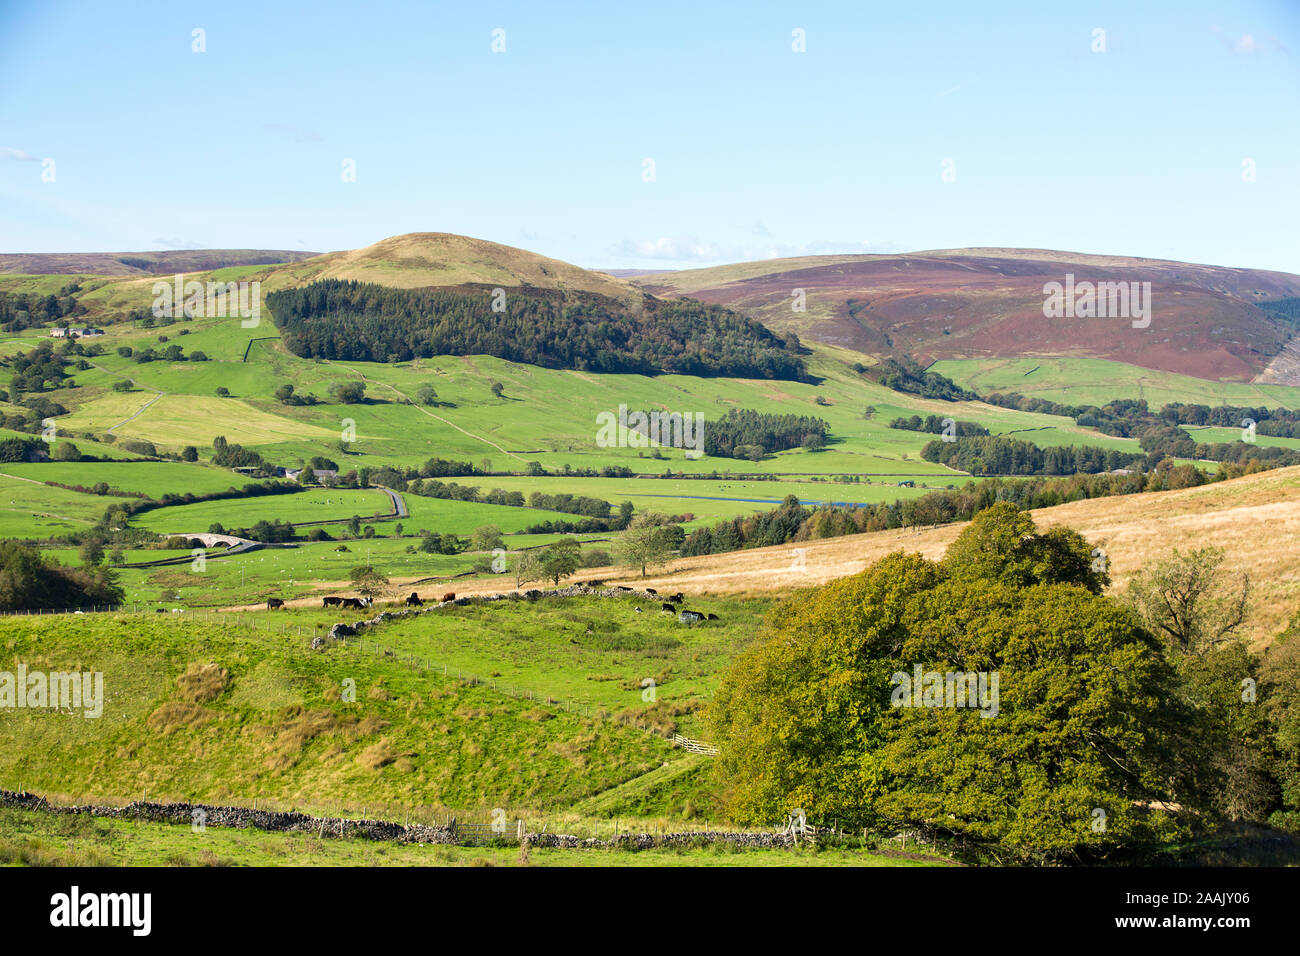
758 150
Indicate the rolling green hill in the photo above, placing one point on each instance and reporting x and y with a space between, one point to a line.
196 709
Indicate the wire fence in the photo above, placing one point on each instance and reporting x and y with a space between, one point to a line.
90 609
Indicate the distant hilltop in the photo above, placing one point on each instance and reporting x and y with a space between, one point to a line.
142 263
1207 321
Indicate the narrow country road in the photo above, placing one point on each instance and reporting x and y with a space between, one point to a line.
140 411
399 505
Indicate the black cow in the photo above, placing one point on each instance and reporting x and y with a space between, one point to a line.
414 600
332 602
354 603
677 598
595 584
273 603
651 591
712 617
670 608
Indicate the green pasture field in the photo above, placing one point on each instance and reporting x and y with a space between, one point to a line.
285 573
1082 381
172 421
37 511
1071 435
296 572
594 651
325 504
153 478
462 517
706 499
311 504
47 284
1208 433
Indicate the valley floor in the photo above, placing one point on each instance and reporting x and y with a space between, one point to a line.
1256 520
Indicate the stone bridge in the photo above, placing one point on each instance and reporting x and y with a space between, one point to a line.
209 540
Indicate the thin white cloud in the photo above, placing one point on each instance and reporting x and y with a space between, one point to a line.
1248 43
675 249
170 244
685 249
20 155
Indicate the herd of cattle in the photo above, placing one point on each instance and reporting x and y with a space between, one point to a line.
669 606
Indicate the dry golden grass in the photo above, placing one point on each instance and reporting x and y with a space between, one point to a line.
203 682
295 733
422 259
377 755
175 715
1255 520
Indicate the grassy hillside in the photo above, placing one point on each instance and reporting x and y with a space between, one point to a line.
196 709
449 708
593 651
